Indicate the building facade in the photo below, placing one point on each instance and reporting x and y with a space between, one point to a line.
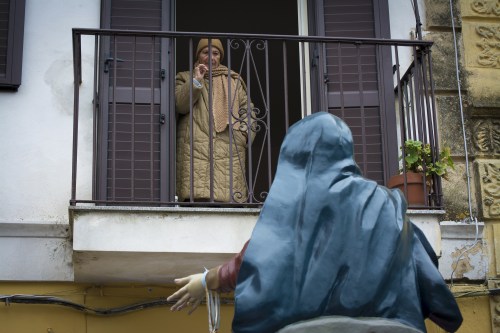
90 228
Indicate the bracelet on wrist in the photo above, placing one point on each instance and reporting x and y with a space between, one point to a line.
197 83
203 279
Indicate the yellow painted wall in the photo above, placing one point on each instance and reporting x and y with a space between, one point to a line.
476 314
25 318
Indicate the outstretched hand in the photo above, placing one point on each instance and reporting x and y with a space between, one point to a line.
191 294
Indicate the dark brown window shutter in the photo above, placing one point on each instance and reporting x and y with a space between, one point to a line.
11 42
353 87
133 150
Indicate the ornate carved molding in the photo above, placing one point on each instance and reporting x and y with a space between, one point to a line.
494 307
489 180
486 136
489 45
486 7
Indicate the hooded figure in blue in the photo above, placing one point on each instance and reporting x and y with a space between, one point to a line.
330 242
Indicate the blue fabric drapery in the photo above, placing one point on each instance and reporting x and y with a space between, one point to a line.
330 242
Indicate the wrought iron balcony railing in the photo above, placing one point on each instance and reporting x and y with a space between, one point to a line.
137 143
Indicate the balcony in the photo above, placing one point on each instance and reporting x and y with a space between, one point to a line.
131 220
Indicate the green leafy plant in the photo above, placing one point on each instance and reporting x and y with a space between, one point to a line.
417 155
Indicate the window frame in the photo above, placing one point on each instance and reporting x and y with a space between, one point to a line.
15 37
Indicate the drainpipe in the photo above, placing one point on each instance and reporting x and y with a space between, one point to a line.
418 22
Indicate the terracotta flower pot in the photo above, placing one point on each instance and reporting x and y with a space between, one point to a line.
414 187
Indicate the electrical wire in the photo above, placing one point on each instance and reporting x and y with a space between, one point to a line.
38 299
457 72
472 218
486 292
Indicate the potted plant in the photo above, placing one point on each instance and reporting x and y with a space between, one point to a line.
417 158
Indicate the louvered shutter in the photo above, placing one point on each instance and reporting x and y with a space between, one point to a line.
11 42
353 80
131 144
4 34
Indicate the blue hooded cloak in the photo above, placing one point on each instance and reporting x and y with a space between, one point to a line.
330 242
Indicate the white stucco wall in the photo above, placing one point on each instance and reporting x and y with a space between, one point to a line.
403 19
36 121
36 143
402 22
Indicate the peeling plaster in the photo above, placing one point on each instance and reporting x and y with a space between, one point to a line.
464 260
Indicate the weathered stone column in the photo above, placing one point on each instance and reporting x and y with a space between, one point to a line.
477 28
481 43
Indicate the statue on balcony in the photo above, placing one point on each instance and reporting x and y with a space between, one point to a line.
228 132
329 248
